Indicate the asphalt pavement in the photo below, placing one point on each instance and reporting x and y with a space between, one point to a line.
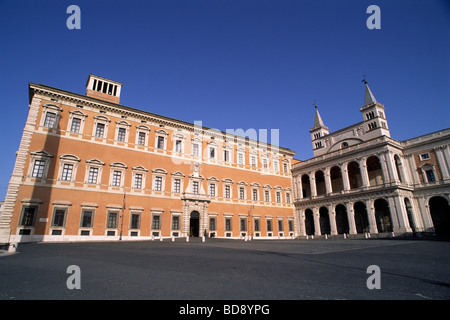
221 269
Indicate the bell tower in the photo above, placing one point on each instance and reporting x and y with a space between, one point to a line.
375 122
318 132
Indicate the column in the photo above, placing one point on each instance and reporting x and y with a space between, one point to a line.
300 187
344 172
312 182
413 169
328 188
316 221
371 216
351 217
417 214
391 167
364 174
300 214
384 168
332 216
399 215
443 166
185 219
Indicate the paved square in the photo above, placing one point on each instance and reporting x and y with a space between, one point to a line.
229 269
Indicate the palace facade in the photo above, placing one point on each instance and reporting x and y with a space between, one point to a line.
361 181
89 168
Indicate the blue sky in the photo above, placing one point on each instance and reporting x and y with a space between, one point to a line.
234 63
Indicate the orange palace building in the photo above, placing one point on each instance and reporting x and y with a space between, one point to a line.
89 168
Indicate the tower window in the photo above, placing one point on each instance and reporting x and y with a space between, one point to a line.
104 87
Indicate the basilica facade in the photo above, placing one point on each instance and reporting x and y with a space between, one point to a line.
362 181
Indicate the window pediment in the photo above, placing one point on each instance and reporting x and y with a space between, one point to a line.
102 118
69 157
139 168
159 171
162 132
177 174
78 113
41 153
142 127
95 162
120 165
123 123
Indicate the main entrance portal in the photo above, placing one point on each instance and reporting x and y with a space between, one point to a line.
194 224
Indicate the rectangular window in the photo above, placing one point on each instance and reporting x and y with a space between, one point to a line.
67 172
50 119
156 222
38 169
58 217
117 175
212 190
255 194
195 149
430 175
226 156
158 183
86 218
28 216
240 158
243 224
138 181
280 225
176 185
425 156
257 227
195 187
112 220
227 192
264 163
160 144
291 225
175 223
253 161
285 167
93 175
227 224
178 146
241 193
212 224
212 153
75 126
278 197
266 196
121 134
276 166
269 225
134 224
141 138
288 198
100 130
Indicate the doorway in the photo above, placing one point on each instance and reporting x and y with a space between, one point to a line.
194 224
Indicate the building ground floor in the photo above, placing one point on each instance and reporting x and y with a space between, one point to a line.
386 210
64 214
